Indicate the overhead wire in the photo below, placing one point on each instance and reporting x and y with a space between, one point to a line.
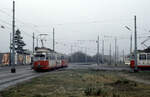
35 26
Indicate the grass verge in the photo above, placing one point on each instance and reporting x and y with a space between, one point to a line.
78 83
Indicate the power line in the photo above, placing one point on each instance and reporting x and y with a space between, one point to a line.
26 24
5 22
87 22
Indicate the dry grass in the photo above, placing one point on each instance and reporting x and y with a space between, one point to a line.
79 83
142 74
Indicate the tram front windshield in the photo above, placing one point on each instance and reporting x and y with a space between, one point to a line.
39 57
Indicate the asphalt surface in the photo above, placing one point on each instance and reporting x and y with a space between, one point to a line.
24 73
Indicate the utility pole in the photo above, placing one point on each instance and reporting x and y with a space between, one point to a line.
135 51
123 55
115 51
102 51
130 46
117 55
10 51
110 54
98 51
13 70
33 42
53 39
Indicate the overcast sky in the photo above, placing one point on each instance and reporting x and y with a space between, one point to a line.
76 22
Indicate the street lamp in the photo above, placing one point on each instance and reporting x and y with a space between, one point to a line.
130 40
135 48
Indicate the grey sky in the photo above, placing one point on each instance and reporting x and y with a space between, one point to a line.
76 20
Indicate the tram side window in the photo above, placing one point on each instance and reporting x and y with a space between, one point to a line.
142 56
52 57
47 57
58 57
62 57
148 56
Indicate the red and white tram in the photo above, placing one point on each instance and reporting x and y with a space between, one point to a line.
143 59
47 59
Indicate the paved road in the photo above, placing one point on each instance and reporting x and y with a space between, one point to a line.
23 73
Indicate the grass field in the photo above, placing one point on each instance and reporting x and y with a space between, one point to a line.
78 83
142 74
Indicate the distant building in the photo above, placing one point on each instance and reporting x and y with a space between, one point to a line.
20 59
